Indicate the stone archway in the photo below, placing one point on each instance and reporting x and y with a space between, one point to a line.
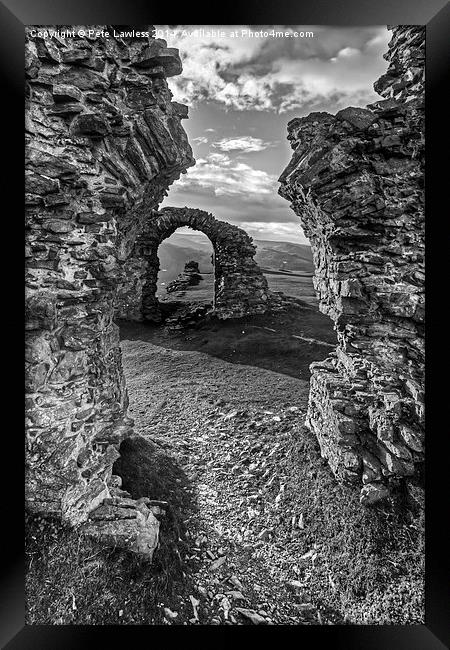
104 142
240 288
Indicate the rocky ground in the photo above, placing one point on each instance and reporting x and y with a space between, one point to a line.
256 531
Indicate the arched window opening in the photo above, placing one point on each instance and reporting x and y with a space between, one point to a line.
186 271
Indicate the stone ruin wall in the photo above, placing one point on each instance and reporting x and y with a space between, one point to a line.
356 180
240 288
103 144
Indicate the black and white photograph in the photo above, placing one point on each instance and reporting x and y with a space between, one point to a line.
224 337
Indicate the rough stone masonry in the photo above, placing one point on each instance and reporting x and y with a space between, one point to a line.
240 288
356 180
103 143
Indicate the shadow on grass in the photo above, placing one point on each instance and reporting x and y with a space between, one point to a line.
71 579
146 470
369 568
265 341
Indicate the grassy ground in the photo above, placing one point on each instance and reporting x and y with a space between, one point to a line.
368 569
286 343
256 521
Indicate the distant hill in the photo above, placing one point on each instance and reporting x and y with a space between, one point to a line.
284 255
174 253
277 255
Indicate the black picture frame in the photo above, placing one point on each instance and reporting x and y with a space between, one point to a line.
435 14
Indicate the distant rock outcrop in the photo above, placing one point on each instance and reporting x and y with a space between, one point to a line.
356 180
190 277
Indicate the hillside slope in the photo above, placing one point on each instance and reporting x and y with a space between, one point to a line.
257 530
180 248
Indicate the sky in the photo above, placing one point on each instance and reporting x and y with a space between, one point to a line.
242 91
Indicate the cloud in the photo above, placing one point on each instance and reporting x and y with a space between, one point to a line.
238 193
246 144
275 230
338 66
219 175
200 140
219 158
